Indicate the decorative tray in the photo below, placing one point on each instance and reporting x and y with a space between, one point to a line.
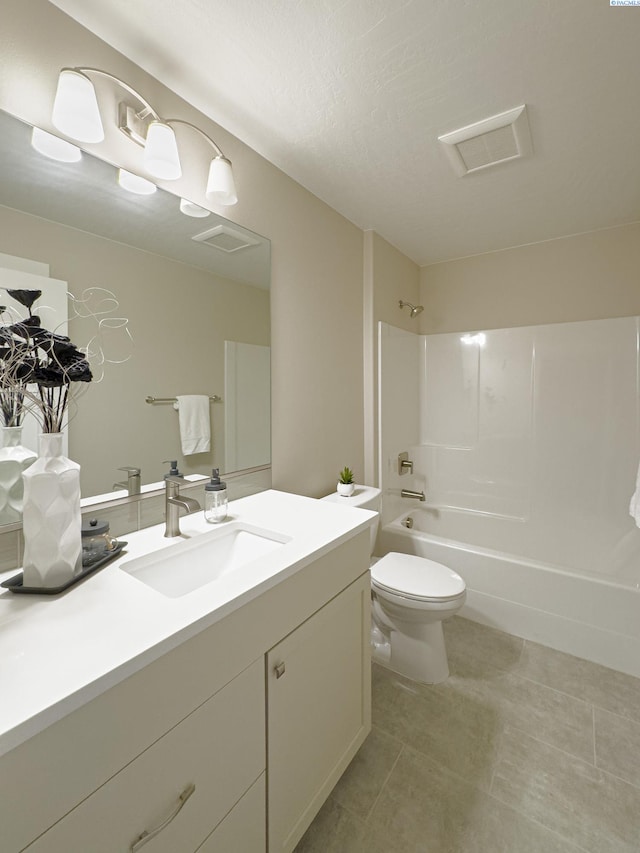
14 584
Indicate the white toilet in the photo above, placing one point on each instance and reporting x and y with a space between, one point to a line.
410 598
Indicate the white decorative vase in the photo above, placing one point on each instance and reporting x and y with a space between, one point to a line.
346 489
14 459
51 520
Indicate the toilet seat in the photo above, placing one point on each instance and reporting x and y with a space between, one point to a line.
416 578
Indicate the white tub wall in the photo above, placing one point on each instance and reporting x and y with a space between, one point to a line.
538 427
476 421
398 411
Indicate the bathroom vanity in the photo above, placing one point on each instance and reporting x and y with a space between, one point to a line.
223 715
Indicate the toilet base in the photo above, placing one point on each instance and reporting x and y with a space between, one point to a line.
421 658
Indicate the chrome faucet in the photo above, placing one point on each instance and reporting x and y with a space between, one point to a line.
133 481
174 502
409 493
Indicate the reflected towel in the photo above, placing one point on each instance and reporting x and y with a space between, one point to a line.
634 506
195 423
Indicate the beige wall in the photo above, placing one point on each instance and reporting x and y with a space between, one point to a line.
179 318
317 255
389 277
585 277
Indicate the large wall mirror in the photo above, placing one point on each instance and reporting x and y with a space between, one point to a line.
197 310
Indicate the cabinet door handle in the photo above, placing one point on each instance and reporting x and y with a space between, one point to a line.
279 669
148 834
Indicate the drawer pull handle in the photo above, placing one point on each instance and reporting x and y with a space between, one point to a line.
279 669
148 834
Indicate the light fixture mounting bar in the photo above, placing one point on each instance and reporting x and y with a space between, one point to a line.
215 147
150 110
132 124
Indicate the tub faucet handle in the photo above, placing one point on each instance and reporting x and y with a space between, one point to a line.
405 466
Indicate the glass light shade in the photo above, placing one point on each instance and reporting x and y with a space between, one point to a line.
161 157
190 208
75 108
220 186
54 147
134 183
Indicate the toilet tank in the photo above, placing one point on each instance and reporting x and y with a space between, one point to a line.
363 497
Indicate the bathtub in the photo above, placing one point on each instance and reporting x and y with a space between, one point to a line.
592 617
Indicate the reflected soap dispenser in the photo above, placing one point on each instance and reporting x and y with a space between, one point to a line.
215 499
173 469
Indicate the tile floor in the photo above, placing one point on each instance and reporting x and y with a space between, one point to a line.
523 750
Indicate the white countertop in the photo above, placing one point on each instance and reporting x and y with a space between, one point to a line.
58 652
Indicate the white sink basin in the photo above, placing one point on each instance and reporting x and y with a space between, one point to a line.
188 565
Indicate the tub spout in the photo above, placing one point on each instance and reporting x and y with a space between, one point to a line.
409 493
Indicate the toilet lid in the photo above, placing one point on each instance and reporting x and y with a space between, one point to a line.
416 577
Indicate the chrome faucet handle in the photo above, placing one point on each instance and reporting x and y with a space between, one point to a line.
405 465
174 502
133 479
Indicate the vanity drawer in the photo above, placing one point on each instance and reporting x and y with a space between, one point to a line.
244 829
219 749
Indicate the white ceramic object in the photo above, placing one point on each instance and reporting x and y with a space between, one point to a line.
345 490
410 598
187 566
51 519
14 459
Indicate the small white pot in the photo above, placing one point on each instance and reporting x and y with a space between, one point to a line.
346 489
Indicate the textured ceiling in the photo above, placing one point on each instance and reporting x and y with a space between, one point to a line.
349 96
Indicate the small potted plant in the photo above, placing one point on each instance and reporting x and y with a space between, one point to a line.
345 482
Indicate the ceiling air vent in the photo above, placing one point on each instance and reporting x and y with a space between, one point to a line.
489 142
226 239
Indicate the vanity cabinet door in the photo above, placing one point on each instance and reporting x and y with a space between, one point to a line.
318 710
186 782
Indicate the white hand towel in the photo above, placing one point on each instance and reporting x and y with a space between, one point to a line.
194 417
634 506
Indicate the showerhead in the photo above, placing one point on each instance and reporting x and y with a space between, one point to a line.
415 309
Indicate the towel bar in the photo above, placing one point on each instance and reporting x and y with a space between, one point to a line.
153 400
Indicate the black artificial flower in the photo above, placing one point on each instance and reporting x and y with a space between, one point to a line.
25 297
49 376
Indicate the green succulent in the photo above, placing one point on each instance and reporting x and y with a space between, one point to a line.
346 476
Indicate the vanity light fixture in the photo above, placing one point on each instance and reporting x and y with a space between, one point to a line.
75 108
76 114
134 183
161 158
190 209
54 147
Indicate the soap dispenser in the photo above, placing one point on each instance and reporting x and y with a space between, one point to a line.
215 499
173 469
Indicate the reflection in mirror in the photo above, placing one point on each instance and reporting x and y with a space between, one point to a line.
195 291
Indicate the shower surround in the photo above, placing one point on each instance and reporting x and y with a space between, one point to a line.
526 442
